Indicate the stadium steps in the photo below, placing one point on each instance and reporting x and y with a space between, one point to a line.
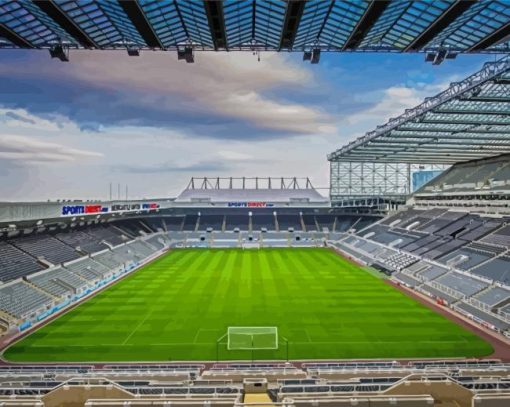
5 317
255 398
276 224
303 226
44 262
146 227
224 224
353 226
123 232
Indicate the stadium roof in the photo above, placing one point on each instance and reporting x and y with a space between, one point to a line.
358 25
470 120
234 189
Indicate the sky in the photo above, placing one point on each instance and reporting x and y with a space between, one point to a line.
68 130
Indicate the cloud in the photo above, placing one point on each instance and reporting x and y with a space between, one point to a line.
393 102
20 118
23 149
220 96
170 167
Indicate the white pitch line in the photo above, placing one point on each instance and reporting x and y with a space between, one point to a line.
138 326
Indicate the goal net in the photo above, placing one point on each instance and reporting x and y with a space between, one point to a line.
252 337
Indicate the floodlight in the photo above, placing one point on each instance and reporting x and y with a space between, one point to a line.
186 54
58 51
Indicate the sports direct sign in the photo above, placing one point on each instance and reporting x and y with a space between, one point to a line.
250 204
69 210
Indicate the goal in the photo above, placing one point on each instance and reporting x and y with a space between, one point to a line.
252 337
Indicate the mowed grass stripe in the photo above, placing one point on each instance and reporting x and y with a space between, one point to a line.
178 306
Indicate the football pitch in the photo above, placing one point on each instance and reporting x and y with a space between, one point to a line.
177 307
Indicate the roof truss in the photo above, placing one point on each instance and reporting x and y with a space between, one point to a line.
458 124
274 25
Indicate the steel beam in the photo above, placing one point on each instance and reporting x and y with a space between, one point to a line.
372 14
137 16
293 15
492 39
13 37
214 12
62 19
443 21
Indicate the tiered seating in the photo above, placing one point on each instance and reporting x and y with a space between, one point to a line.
482 316
482 230
500 237
109 259
15 264
493 296
237 221
20 300
258 222
445 219
325 221
444 248
155 223
59 282
432 272
47 247
407 279
107 233
497 269
132 227
141 249
156 241
487 174
215 222
463 224
190 223
79 239
466 258
431 289
288 221
466 285
344 223
309 221
175 223
88 269
399 261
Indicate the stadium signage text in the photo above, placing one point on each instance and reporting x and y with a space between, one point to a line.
250 204
83 209
95 209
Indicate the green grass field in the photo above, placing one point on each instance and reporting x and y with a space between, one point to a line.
178 306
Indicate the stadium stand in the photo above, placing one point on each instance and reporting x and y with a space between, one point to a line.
212 222
385 384
240 222
451 255
288 222
21 300
45 247
259 222
174 223
81 241
15 263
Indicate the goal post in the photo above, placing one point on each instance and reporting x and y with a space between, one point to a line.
252 338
